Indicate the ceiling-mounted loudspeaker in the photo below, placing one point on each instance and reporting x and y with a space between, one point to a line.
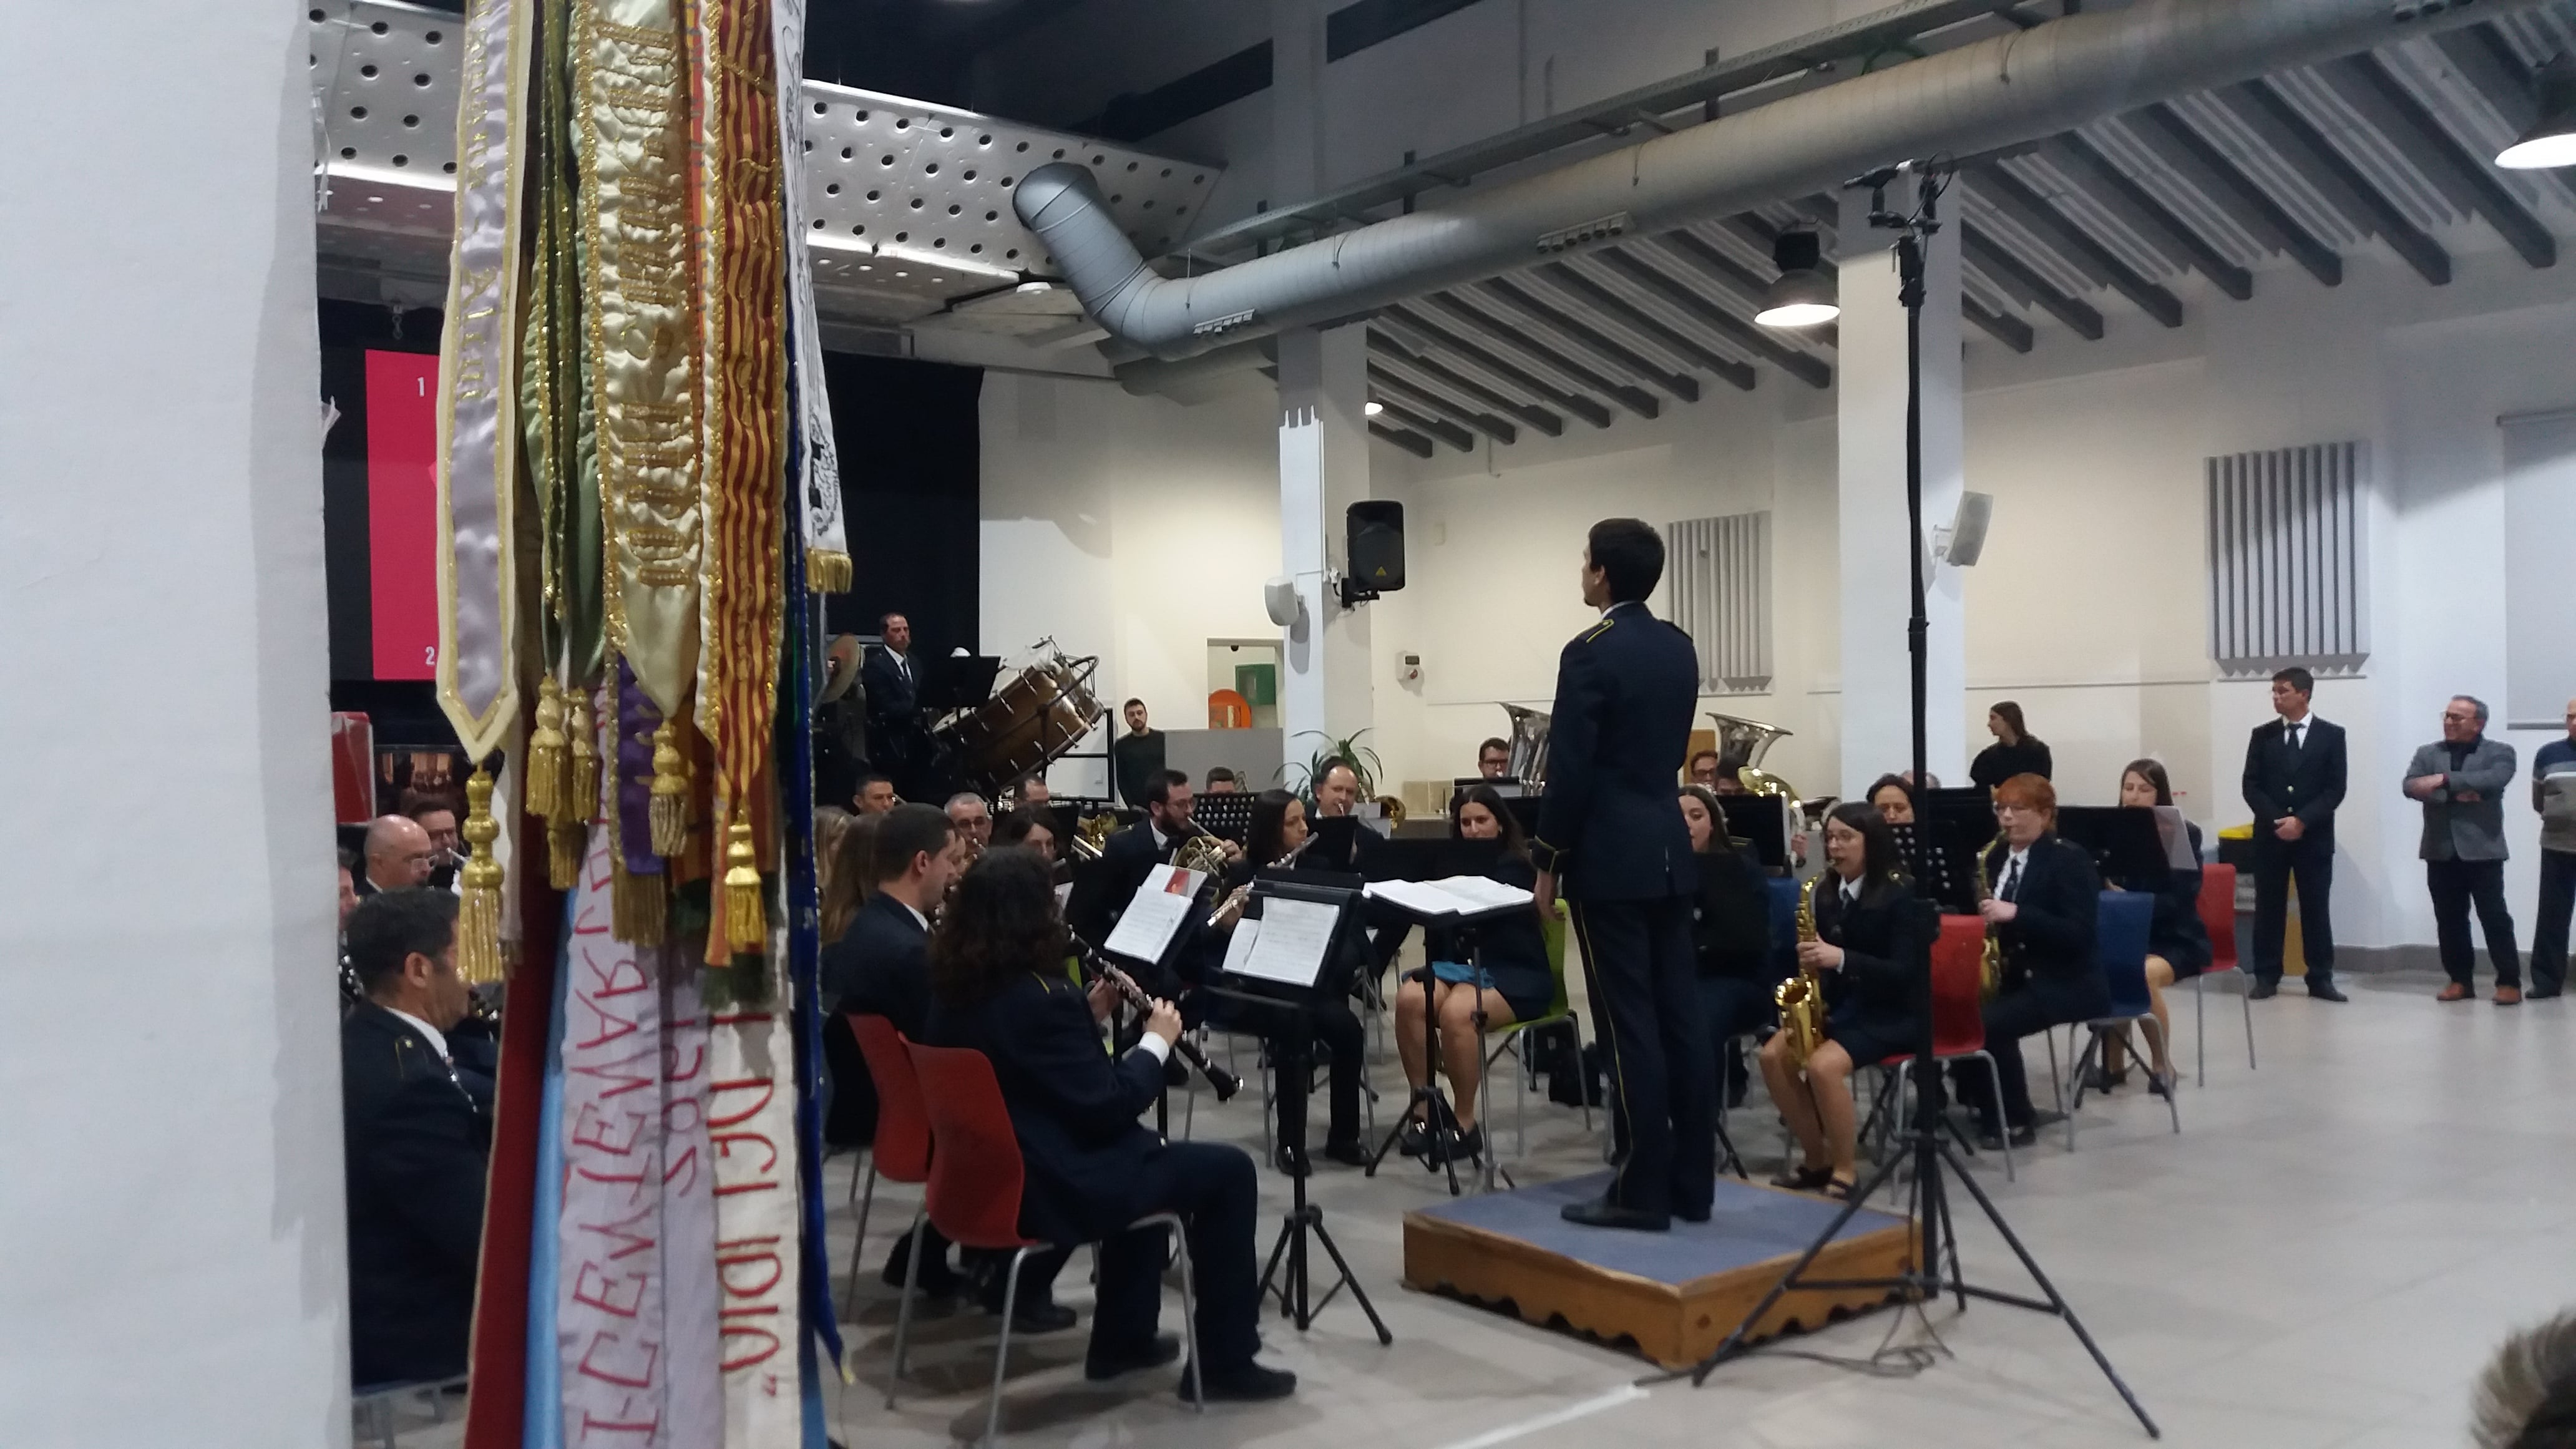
1968 529
1279 597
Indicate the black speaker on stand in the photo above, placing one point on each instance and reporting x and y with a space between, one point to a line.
1374 546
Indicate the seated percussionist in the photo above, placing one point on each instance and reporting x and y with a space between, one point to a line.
1873 953
1507 980
998 986
2044 908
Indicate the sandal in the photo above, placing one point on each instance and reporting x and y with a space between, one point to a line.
1840 1188
1804 1179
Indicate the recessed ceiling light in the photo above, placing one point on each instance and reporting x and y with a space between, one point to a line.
1373 407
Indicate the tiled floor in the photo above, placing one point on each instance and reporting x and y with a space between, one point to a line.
2323 1258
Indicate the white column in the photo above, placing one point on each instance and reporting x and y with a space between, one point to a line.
172 1251
1324 690
1877 682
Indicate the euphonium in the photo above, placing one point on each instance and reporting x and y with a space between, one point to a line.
1091 833
1990 967
1801 998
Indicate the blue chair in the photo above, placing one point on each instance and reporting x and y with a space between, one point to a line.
2120 944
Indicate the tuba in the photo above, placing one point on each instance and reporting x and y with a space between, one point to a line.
1801 998
1528 744
1749 740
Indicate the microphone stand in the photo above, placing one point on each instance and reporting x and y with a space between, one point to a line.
1920 1144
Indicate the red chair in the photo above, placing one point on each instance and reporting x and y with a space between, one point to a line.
1958 1013
2218 913
901 1149
976 1176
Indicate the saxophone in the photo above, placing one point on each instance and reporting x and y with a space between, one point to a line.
1990 967
1801 998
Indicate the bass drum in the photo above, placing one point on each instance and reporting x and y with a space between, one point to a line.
1027 724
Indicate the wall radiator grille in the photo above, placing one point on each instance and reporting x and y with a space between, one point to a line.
2288 559
1719 572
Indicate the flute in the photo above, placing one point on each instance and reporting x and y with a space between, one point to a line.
1234 900
1224 1083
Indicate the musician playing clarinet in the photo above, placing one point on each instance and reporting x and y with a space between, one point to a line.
1612 839
998 985
1322 1019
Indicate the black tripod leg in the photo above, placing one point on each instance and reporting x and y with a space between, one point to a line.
1278 1248
1789 1280
2031 1266
1351 1280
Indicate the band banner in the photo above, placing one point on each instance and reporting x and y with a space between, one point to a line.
814 467
751 1120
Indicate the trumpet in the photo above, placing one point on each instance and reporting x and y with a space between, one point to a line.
1990 966
1801 998
1098 968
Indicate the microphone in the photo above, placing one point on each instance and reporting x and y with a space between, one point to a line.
1882 177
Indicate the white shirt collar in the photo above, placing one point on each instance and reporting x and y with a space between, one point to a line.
1851 890
437 1038
1161 841
914 911
2018 857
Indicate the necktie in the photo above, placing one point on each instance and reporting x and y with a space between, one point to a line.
2012 881
2294 737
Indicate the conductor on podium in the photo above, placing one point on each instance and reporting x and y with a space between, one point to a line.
1612 841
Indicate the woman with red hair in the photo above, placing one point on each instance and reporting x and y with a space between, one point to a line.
2046 898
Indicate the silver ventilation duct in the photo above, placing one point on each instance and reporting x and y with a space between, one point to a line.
2000 92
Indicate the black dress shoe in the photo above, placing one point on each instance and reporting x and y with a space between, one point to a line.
936 1279
2264 990
1036 1317
1348 1154
2326 991
1467 1146
1603 1213
1155 1352
1245 1383
2541 993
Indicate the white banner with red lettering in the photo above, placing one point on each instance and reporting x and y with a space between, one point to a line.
751 1122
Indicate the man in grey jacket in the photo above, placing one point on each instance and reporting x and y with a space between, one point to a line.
2461 781
2553 794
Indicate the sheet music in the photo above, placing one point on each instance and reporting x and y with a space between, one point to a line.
1291 943
1238 947
1454 895
1485 892
2177 839
1156 912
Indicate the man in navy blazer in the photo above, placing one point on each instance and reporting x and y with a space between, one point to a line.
1612 839
2294 781
416 1146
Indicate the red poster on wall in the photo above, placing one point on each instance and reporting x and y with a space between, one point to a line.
402 512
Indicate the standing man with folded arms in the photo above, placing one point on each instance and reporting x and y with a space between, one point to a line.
2461 779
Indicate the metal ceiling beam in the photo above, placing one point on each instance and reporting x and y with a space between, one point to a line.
2011 331
2179 144
2366 83
2007 192
1682 343
1996 262
1422 399
2283 127
1425 422
2114 190
2490 64
1448 377
1504 333
1511 372
1609 349
1797 364
1414 443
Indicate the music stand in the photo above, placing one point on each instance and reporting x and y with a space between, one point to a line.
1762 820
1275 982
2127 843
957 681
1225 814
1427 860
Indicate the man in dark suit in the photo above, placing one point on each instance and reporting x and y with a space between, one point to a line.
1101 894
897 743
2294 781
1611 836
416 1147
881 967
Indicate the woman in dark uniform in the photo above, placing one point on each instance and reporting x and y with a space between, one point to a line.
1731 935
1508 981
1278 826
2014 752
2045 909
2178 946
1873 950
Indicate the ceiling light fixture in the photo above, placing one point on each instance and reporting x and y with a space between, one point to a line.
1373 407
2551 141
1804 295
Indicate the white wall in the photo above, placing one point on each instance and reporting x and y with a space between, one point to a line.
174 1270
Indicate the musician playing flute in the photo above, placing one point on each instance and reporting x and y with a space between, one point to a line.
1872 952
998 986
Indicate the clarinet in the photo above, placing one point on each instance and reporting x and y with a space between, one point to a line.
1098 968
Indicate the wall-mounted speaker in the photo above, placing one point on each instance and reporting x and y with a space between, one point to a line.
1279 598
1968 529
1375 545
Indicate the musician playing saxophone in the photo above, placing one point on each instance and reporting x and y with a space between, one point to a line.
2043 911
1873 952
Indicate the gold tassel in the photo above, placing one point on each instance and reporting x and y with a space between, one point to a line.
746 918
478 921
670 806
638 910
546 753
563 853
582 794
827 571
